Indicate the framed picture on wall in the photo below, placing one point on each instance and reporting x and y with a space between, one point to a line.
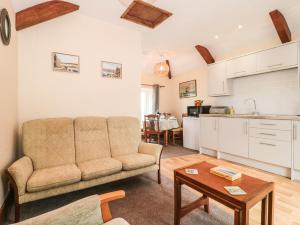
111 70
188 89
66 63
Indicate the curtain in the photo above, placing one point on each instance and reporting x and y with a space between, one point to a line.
146 101
156 98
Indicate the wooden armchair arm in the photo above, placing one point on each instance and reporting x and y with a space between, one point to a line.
105 199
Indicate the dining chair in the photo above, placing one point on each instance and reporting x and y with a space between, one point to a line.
177 133
151 127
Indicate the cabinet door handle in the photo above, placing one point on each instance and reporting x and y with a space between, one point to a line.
267 134
268 144
268 124
295 132
240 72
275 65
223 85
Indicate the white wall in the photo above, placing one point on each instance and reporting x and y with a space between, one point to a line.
275 93
165 92
45 93
8 101
180 104
169 96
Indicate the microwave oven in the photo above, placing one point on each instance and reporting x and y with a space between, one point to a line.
194 111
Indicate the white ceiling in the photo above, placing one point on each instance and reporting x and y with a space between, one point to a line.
197 22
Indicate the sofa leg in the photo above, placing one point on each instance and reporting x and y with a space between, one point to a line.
158 177
17 212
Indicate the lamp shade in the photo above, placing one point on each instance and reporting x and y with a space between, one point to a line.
161 69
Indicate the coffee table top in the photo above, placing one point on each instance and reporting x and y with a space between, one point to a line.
255 188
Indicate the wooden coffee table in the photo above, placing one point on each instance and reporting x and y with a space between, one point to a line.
212 186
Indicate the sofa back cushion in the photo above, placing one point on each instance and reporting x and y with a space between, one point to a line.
91 139
82 212
124 135
49 142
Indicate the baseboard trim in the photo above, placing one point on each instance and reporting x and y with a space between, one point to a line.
4 208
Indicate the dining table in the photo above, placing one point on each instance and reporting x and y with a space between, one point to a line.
165 125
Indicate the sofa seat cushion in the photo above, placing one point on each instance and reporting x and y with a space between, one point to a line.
99 168
48 178
136 161
117 221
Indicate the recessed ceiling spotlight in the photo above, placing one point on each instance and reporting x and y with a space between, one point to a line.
216 37
240 26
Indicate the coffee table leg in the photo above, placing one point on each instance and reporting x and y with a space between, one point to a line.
237 217
271 208
206 206
245 217
177 201
264 210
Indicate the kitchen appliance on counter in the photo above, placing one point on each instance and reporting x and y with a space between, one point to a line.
194 111
219 110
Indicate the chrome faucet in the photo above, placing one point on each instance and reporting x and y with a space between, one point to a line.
254 112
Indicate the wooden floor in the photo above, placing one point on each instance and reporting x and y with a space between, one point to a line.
287 192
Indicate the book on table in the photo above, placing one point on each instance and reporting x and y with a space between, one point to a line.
227 173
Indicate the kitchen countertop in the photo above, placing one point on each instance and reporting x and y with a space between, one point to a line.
249 116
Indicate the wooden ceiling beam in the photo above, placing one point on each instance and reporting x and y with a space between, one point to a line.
204 52
43 12
170 73
281 26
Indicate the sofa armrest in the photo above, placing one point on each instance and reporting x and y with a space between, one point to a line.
19 172
104 203
151 149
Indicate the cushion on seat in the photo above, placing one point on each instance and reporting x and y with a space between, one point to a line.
136 161
124 135
99 168
117 221
49 142
91 138
83 212
48 178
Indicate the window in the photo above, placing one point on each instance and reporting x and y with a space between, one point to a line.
146 101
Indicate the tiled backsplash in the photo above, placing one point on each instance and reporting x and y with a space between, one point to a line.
275 93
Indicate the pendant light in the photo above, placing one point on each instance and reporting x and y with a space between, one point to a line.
162 69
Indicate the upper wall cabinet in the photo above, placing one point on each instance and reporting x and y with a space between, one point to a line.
283 57
218 85
241 66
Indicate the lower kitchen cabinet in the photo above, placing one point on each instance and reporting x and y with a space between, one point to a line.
296 134
191 128
271 151
209 132
233 136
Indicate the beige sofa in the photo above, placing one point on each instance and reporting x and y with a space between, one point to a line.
62 155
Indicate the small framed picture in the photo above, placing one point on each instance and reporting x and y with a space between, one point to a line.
111 70
66 63
188 89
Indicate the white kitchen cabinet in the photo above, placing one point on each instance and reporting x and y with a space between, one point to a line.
296 134
191 130
218 85
271 151
209 132
270 141
233 136
241 66
285 56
